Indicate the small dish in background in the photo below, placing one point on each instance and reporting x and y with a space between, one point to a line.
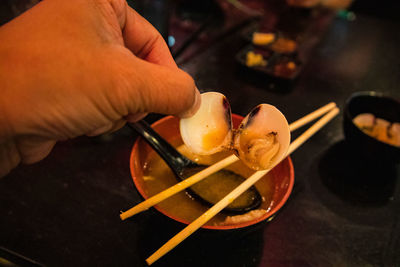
382 107
272 40
286 67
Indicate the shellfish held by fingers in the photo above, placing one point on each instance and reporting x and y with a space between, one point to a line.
263 137
209 130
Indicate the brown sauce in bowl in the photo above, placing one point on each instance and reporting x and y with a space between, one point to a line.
157 177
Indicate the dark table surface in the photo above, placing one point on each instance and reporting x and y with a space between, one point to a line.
64 210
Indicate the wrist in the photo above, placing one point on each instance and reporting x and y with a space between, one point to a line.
5 128
9 157
5 76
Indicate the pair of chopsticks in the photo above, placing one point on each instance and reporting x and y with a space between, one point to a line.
331 111
213 168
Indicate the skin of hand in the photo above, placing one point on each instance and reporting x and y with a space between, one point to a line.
82 67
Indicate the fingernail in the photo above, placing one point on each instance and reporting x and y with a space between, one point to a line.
100 130
194 108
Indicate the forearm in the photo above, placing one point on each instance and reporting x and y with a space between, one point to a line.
9 155
5 127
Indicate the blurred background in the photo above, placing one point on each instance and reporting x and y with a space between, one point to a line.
190 26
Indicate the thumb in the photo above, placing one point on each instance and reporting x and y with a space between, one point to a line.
159 89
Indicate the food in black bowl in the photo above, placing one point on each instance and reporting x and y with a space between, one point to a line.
286 67
284 45
263 38
371 126
383 130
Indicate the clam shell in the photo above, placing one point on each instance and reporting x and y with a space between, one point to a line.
209 130
263 137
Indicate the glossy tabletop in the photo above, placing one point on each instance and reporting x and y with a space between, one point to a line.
64 211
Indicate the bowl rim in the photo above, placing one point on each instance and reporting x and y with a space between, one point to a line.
267 216
367 94
350 117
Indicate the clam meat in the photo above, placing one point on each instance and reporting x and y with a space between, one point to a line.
263 138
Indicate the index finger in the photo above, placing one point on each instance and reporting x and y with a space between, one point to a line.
145 41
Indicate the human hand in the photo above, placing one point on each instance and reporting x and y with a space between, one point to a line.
70 68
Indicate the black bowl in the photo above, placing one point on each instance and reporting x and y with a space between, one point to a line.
381 106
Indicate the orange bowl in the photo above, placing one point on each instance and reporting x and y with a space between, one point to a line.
168 127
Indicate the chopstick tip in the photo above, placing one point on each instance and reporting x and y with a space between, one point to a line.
149 261
123 216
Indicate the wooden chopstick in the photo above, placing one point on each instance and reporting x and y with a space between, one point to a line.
178 187
311 116
154 200
205 217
